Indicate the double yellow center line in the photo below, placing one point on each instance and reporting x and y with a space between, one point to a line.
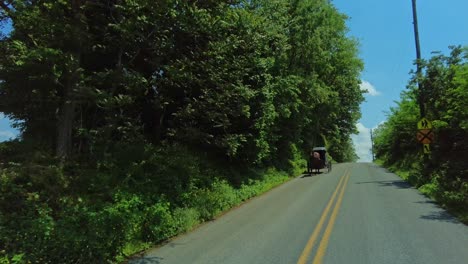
326 235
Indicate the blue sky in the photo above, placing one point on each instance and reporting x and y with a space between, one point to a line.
387 47
385 32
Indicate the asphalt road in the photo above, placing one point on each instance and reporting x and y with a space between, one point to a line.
359 213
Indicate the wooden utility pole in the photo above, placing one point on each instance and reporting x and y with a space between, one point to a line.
421 97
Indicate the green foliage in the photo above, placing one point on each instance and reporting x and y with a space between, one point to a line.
85 230
342 150
211 202
395 139
244 81
297 163
253 188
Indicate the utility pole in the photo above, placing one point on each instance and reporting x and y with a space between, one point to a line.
421 97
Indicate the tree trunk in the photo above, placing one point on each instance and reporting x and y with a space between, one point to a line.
67 111
65 122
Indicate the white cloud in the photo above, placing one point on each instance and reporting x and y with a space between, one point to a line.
362 143
6 135
369 88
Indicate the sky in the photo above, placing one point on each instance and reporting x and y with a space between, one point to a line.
384 30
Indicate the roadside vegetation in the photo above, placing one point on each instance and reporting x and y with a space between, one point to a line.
141 119
443 174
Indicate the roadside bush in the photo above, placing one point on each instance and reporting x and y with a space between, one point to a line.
185 219
209 202
167 170
72 214
430 189
159 223
26 221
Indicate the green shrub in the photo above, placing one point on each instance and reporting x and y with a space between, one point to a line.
26 222
159 223
185 219
209 202
298 163
79 214
429 189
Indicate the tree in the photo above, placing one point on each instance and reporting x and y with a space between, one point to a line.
243 79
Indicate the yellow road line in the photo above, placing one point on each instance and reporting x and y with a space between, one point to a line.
313 237
326 235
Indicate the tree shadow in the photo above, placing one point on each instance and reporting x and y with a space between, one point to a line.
442 216
142 258
306 174
400 184
145 260
427 202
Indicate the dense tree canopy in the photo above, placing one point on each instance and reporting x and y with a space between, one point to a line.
243 78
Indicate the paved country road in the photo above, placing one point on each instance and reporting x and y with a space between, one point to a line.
359 213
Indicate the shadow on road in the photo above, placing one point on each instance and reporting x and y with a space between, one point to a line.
426 202
399 184
146 260
440 216
142 259
305 174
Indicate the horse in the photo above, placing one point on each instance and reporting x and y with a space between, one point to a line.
315 162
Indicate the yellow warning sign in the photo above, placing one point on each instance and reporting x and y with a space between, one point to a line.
424 124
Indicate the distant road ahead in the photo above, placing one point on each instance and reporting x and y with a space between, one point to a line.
357 214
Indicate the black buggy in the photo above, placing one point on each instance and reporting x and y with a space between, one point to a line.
318 160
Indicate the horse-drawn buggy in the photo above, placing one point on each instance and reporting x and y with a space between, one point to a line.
318 160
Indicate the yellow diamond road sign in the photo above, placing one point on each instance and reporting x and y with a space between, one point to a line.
424 124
